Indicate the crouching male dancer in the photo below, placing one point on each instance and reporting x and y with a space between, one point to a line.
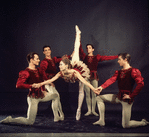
26 80
126 78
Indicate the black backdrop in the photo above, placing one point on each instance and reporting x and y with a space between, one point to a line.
111 26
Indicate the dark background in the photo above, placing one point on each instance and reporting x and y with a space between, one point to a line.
111 26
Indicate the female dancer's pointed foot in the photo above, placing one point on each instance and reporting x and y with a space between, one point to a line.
77 29
99 122
88 113
6 120
78 114
94 113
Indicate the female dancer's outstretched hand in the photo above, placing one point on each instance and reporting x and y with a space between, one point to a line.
36 85
96 91
99 89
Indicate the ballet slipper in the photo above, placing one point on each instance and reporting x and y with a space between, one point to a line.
99 122
6 120
77 29
78 114
94 113
88 113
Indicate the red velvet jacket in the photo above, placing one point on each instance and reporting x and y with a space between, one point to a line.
92 62
126 80
26 78
48 67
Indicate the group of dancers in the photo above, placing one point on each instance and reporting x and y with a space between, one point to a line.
39 81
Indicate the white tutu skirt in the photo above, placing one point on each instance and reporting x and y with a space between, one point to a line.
82 68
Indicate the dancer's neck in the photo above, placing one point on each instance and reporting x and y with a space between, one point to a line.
48 57
126 66
90 54
32 66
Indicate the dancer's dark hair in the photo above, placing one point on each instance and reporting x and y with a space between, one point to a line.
90 45
45 46
125 56
31 56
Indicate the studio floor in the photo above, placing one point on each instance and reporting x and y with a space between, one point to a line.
44 126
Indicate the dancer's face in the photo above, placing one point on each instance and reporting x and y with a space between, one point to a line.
47 51
89 49
121 61
35 61
62 66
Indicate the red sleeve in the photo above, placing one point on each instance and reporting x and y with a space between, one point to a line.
57 60
136 75
110 81
81 52
104 58
43 68
23 76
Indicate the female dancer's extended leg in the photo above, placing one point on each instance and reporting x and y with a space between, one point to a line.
76 58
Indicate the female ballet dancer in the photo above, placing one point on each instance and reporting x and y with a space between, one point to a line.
71 71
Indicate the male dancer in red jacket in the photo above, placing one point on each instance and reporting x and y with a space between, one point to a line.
26 80
91 61
126 78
